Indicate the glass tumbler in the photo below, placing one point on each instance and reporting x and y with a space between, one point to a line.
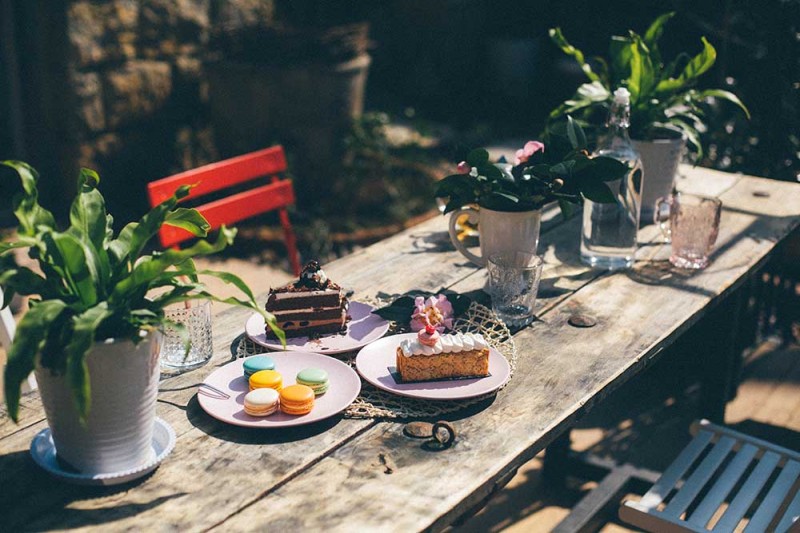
692 224
197 321
514 282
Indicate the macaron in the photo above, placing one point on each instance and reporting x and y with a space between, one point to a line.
257 363
316 378
261 402
297 399
266 379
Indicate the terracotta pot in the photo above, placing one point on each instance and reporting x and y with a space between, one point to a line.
118 433
660 159
499 231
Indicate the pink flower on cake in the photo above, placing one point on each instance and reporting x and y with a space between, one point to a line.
530 148
436 311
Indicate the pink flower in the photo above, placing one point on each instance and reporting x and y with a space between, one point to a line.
436 311
530 148
463 168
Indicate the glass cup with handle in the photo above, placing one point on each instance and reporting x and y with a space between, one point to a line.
691 222
514 283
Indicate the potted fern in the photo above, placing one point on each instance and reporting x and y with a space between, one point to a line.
92 331
667 111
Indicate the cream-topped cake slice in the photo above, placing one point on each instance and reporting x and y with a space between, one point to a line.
434 356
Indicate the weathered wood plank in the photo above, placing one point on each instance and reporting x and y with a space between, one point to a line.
562 372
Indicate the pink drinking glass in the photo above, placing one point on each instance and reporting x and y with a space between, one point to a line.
692 223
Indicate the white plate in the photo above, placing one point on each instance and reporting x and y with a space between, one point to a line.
373 364
362 329
43 451
344 387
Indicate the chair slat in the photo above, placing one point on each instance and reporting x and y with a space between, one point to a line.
723 485
748 492
673 473
774 498
791 516
702 474
235 208
220 175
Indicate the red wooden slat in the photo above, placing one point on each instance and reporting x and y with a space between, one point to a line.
235 208
220 175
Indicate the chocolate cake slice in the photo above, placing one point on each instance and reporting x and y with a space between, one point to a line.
309 306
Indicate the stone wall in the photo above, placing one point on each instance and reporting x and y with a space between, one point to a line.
133 91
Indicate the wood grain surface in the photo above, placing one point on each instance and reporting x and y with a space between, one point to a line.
333 475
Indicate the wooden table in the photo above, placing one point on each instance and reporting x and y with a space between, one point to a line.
358 475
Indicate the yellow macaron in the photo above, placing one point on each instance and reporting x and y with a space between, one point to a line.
266 379
297 399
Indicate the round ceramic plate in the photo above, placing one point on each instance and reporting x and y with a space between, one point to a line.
376 363
363 328
43 451
230 381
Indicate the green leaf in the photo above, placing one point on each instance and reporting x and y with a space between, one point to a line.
619 51
696 67
454 185
477 157
31 333
596 191
603 168
642 75
724 95
87 215
567 208
575 133
70 256
189 219
83 331
26 204
653 35
558 38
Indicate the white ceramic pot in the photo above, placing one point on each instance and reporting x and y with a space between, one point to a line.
118 433
499 231
660 159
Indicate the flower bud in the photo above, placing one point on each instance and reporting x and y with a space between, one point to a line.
463 168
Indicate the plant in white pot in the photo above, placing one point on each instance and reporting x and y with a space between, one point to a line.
510 197
91 333
666 110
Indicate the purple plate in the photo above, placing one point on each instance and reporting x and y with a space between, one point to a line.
229 380
375 361
362 329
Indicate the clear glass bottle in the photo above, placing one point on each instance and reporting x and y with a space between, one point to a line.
608 237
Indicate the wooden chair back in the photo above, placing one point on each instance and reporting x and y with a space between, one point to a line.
276 193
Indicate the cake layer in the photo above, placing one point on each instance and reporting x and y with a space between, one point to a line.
312 313
280 301
309 330
443 365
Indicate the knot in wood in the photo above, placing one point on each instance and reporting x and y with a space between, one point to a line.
582 321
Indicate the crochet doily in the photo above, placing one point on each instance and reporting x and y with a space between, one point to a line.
376 403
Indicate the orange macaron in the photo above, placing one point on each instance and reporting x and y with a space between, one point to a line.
297 399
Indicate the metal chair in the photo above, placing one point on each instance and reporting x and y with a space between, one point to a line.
722 473
276 194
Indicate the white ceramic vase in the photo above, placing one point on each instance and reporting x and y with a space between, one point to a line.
499 231
118 433
660 160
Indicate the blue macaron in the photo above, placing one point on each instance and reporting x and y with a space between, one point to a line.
257 363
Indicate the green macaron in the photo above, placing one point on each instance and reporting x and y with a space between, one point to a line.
316 378
257 363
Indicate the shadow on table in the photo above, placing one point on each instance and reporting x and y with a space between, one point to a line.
25 506
243 435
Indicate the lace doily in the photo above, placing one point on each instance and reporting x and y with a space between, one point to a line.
376 403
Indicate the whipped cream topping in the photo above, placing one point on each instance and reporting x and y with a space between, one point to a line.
452 343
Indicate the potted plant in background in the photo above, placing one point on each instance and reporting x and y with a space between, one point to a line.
299 78
510 197
91 333
666 110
